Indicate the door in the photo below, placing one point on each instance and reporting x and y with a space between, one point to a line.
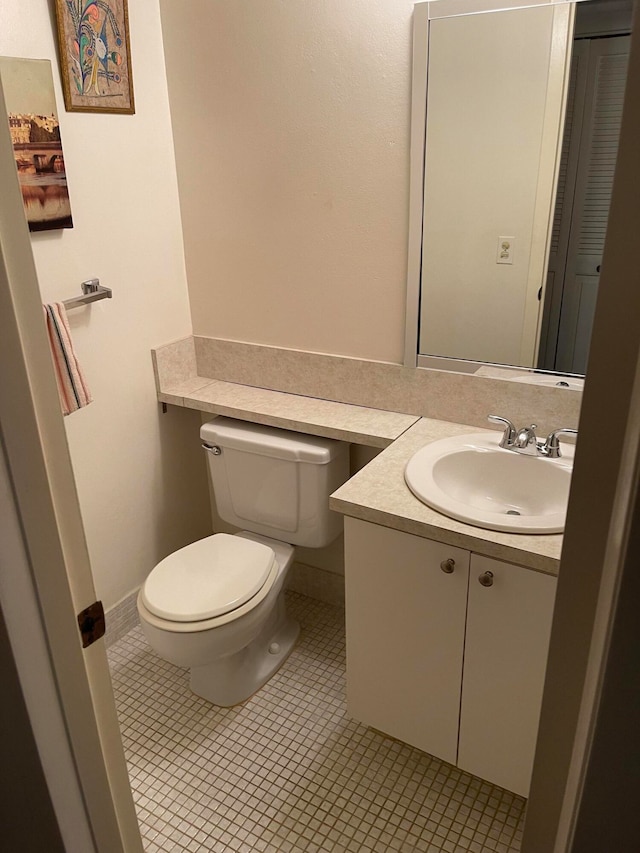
508 629
405 608
590 148
56 571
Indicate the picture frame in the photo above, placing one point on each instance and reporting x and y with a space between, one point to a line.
95 56
37 144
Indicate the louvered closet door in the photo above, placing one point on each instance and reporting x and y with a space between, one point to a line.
606 76
561 229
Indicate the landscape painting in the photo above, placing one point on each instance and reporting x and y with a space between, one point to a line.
35 134
95 57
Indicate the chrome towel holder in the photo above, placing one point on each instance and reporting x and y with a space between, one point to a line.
92 291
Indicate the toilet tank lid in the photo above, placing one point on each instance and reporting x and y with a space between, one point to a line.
208 578
271 441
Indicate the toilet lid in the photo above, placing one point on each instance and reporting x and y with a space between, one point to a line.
208 578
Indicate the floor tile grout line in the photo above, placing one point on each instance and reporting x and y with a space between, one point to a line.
181 748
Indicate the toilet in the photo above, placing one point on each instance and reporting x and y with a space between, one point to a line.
217 606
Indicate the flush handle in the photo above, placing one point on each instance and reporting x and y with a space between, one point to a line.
448 566
486 579
212 448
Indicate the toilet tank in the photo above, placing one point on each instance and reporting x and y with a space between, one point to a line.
275 482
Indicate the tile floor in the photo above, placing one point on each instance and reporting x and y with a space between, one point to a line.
288 770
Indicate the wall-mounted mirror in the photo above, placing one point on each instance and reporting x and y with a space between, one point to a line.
512 185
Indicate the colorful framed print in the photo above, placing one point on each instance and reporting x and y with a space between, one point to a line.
35 134
95 56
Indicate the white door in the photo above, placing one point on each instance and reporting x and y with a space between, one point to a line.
508 629
405 610
58 576
595 113
565 192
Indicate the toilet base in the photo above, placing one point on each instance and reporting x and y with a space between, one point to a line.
233 679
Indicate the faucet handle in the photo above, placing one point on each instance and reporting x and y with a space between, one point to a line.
551 447
510 432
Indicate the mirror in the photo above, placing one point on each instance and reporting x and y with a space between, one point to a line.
522 118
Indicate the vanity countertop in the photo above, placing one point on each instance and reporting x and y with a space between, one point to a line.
378 493
355 424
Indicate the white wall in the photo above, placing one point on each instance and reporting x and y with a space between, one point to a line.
291 126
140 478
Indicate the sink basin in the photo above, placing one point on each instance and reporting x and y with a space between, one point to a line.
551 381
471 478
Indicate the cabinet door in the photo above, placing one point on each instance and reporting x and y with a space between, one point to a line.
405 635
508 627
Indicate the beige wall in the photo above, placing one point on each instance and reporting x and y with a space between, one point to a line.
140 479
291 130
291 127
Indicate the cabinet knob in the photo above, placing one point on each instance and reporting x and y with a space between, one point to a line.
448 566
486 579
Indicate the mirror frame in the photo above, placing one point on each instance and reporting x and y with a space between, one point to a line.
423 13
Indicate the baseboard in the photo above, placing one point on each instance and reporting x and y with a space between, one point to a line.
121 618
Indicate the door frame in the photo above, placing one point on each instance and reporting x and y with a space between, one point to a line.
583 693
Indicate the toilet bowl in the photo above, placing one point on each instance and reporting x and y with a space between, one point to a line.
217 605
242 633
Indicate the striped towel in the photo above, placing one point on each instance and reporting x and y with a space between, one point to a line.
72 387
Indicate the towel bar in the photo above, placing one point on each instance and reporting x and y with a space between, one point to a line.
92 291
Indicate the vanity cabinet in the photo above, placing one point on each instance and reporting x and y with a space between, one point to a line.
446 650
405 635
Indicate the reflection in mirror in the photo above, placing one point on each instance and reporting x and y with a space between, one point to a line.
510 267
585 182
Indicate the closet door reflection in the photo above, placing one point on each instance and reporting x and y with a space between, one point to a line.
592 129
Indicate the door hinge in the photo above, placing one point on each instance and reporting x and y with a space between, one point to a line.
91 622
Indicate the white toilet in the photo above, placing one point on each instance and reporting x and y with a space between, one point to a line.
217 605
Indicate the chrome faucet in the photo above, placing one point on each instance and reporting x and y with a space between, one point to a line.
525 441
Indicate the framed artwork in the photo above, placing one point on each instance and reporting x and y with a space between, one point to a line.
95 56
35 134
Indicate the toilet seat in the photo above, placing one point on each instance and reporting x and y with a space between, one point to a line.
209 579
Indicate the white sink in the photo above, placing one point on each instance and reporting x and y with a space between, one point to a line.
573 382
472 479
